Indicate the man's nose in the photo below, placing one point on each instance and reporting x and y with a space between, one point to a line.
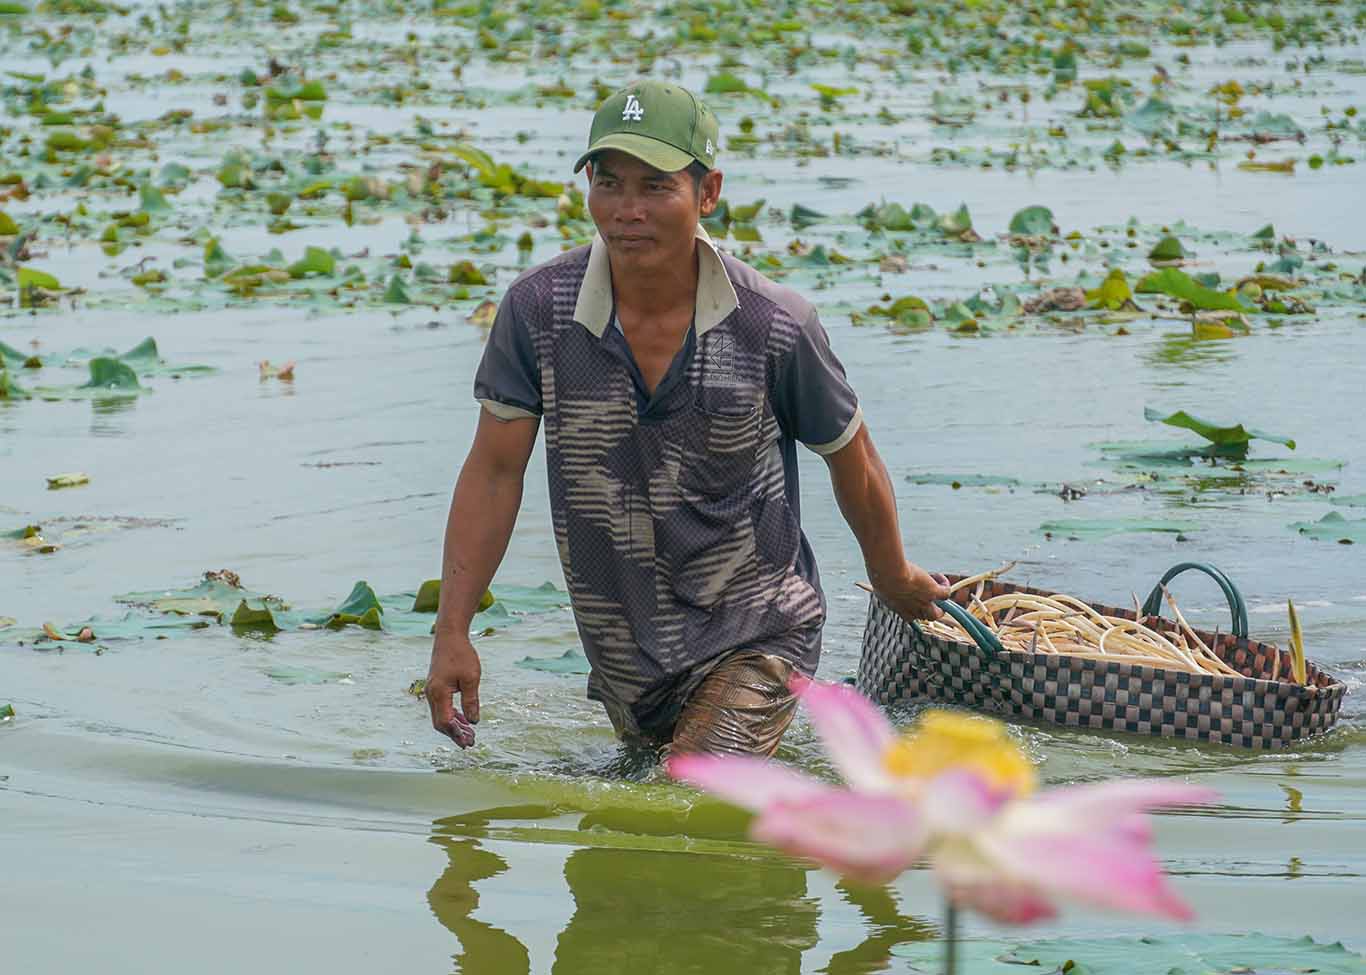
632 207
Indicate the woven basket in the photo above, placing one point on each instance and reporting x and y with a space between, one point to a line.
902 664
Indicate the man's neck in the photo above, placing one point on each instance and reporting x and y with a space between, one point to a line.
671 287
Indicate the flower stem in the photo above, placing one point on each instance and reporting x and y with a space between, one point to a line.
950 937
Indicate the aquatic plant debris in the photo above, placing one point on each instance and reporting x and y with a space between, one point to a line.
1216 954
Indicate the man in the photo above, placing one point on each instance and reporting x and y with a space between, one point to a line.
674 382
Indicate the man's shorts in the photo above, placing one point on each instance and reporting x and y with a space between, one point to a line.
741 707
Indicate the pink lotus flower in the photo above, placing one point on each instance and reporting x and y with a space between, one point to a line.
958 792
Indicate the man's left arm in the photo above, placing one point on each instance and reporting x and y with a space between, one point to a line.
815 404
863 490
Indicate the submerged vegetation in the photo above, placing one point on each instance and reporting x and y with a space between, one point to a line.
126 150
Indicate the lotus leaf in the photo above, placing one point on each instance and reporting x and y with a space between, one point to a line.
361 608
1035 221
1224 436
248 617
151 199
1178 284
9 388
1333 526
315 261
107 373
571 662
1167 249
1113 293
1099 527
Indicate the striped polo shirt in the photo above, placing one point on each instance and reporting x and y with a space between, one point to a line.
676 512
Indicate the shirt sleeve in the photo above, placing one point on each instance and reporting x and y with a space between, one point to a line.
812 399
508 380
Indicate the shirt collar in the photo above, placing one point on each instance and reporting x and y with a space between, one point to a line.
716 297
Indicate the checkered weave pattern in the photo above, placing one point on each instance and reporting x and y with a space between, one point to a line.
902 664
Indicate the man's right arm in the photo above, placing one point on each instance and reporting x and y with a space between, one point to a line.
483 511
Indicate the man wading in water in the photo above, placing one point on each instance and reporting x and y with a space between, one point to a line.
674 382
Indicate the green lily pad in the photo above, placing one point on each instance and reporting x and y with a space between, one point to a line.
10 388
1167 249
259 617
569 662
1179 284
286 674
315 261
803 216
28 278
151 199
1083 528
465 272
1113 293
1178 954
107 373
428 598
1334 527
361 608
1224 436
956 481
1035 221
211 597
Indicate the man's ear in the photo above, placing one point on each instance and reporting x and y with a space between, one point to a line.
710 191
588 170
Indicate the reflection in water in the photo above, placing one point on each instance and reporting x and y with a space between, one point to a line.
654 911
1184 351
483 947
105 414
659 911
890 928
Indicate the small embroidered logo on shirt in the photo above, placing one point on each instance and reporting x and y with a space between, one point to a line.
710 151
720 352
633 111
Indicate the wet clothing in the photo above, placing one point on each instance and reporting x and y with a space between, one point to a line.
676 512
742 707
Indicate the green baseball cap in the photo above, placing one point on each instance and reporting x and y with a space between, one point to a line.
663 125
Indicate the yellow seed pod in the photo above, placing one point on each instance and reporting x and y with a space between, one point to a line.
943 741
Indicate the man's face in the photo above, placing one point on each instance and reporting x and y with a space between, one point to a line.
647 217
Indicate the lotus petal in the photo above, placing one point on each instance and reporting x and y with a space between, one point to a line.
869 839
745 780
855 733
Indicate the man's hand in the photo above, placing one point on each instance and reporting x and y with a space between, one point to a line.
911 594
454 670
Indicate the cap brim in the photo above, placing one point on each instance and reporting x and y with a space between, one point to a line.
652 152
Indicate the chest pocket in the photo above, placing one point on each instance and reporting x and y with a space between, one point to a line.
720 439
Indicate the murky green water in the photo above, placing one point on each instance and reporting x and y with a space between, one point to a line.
230 801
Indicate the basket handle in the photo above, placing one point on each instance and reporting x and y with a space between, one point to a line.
984 637
1153 605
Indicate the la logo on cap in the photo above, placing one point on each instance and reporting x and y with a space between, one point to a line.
633 112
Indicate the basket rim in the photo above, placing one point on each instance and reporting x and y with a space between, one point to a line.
1334 685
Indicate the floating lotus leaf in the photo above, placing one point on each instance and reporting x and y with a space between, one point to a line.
1235 435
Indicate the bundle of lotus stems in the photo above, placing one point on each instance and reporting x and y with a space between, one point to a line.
1062 624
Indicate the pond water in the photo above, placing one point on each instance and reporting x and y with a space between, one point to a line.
227 799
